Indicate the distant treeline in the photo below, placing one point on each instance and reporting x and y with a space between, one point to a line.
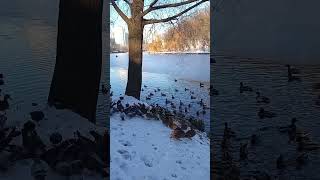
191 33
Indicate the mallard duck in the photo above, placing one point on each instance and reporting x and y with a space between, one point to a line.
265 114
243 151
262 99
290 74
293 70
244 88
4 104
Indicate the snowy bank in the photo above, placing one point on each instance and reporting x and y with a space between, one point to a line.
62 122
142 148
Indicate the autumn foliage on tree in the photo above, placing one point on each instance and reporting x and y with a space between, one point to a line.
190 33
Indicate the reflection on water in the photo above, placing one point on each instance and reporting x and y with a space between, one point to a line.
288 100
157 76
28 31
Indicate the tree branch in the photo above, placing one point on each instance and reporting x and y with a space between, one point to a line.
116 7
153 21
149 8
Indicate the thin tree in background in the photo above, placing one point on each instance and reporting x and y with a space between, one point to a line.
76 78
136 23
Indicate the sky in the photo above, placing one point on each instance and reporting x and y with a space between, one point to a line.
119 24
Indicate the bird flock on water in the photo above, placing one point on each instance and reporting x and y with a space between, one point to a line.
229 168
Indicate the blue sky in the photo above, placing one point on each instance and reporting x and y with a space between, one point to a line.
149 30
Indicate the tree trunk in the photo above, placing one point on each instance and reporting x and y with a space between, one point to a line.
76 78
135 59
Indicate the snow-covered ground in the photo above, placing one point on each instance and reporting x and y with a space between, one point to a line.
63 122
142 149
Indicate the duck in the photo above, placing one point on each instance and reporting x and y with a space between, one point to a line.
262 99
163 94
243 151
193 97
148 98
4 104
292 126
186 89
176 90
1 82
201 84
293 70
265 114
227 131
181 103
291 77
172 97
254 139
167 101
145 86
244 88
280 162
175 80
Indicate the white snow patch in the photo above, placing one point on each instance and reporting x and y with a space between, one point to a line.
142 149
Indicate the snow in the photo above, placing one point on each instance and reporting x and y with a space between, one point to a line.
64 122
142 149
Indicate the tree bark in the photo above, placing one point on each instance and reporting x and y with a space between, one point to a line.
135 60
76 78
135 28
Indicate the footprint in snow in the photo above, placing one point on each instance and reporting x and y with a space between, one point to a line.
125 154
146 161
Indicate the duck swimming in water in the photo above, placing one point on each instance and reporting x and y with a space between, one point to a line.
243 151
227 131
265 114
262 99
244 88
1 82
291 77
4 104
293 70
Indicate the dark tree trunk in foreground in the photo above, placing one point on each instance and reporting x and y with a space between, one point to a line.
76 78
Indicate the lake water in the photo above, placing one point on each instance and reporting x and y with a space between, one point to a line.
161 71
28 32
288 100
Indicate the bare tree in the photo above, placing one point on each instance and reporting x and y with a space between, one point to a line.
136 22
